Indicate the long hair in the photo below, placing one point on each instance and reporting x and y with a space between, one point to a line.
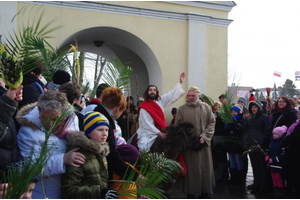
287 101
146 96
113 97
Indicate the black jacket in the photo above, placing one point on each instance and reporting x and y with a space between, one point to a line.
9 151
292 156
276 151
259 128
285 117
115 162
32 89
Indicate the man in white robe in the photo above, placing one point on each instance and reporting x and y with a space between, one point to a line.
151 115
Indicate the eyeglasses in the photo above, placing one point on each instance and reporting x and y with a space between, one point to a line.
281 102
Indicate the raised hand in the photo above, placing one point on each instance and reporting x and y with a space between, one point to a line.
181 78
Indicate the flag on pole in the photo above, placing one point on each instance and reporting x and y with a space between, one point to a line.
297 76
277 73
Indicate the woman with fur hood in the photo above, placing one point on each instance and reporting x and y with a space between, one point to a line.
258 134
89 181
35 120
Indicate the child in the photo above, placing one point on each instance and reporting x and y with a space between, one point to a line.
234 146
274 158
18 167
90 179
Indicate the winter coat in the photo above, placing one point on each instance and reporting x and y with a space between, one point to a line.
276 153
32 89
86 181
234 135
258 128
291 169
9 151
199 177
115 162
285 117
31 136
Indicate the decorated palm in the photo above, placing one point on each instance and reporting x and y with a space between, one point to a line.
28 44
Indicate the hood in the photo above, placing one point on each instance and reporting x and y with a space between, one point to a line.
76 138
29 116
257 104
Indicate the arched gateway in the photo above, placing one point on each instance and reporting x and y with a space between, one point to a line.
159 39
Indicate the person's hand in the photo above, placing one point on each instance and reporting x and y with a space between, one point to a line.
181 79
266 158
74 158
3 189
162 135
270 161
16 95
86 95
107 193
202 140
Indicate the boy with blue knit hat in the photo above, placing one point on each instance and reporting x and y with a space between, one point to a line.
90 180
234 146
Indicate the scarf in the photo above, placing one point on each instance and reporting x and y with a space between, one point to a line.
155 112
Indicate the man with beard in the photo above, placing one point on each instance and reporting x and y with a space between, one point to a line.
151 115
199 178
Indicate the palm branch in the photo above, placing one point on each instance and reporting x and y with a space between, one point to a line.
117 75
224 110
22 47
208 100
155 169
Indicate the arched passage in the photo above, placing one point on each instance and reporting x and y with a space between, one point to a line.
127 47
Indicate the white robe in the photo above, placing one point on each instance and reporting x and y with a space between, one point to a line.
147 132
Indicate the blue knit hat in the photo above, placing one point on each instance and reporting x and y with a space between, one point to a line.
236 109
19 168
92 120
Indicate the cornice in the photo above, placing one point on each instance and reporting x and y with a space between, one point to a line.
226 5
141 12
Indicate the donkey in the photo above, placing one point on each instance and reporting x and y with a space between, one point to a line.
178 138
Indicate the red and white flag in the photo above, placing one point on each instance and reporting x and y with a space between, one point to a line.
277 73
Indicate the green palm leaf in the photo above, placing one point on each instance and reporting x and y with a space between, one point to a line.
224 110
155 169
25 45
117 74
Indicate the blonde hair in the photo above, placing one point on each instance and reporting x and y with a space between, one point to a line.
194 89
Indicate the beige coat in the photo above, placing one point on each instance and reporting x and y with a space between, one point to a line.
200 176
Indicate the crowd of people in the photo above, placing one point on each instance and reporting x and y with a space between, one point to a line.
91 145
266 131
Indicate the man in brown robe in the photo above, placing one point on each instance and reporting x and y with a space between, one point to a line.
199 179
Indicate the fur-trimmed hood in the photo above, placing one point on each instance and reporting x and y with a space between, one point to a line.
29 116
258 104
76 138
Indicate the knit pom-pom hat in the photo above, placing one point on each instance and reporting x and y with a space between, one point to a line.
280 130
92 120
236 109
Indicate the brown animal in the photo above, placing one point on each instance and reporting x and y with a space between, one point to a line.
177 139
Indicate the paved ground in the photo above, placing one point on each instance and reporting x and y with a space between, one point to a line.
224 190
